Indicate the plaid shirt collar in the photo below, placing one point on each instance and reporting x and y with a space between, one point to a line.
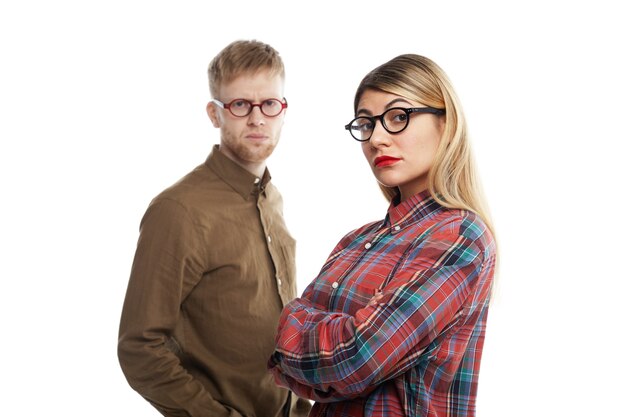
413 209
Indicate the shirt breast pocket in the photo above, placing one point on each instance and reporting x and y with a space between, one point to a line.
358 295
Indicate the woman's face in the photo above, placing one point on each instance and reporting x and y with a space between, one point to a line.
402 159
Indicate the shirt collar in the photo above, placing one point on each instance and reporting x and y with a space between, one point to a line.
241 180
411 210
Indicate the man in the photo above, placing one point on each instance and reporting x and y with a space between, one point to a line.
215 263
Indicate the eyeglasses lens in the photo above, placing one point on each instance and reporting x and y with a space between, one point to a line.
271 107
395 120
240 107
361 128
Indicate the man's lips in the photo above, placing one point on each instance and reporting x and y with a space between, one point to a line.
256 136
384 160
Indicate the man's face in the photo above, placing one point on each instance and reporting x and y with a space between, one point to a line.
251 139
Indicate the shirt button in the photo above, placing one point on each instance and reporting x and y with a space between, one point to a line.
368 245
269 238
335 285
280 282
396 228
257 180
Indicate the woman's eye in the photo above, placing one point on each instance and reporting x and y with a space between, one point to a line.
364 127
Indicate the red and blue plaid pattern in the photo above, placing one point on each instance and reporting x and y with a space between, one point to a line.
417 351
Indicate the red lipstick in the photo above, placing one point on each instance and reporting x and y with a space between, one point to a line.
383 161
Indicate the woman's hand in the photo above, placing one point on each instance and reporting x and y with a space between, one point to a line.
378 294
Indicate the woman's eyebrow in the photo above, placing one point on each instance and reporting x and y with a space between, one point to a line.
397 100
388 106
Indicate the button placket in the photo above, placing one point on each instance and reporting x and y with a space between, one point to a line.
368 245
271 248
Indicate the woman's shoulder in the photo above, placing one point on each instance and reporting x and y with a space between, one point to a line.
464 224
355 233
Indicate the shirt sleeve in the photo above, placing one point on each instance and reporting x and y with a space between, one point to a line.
166 267
331 356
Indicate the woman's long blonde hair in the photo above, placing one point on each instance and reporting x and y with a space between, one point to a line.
452 180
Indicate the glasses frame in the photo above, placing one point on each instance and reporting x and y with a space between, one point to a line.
381 117
226 106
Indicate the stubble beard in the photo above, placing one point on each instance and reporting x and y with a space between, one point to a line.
248 151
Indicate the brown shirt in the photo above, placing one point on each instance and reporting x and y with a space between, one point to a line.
213 268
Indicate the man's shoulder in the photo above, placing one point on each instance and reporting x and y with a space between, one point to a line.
191 188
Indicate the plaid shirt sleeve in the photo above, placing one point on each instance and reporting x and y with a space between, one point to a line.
330 355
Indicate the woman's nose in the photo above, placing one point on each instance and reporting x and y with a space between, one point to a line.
380 136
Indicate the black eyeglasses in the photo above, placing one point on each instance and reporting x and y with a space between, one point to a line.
394 120
240 107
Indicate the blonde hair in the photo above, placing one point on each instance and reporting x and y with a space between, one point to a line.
452 180
243 57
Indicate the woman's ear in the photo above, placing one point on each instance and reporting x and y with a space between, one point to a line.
442 123
211 111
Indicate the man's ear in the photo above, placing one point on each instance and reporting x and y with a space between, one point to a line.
211 111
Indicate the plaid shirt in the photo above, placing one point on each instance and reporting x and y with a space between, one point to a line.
415 353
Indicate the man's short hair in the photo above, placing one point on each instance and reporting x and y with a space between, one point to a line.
243 57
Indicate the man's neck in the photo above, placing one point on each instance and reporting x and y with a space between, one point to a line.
255 168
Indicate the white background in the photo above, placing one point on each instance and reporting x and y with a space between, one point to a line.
102 106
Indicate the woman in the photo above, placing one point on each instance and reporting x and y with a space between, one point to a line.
395 322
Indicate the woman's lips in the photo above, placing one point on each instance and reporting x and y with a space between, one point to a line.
383 161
